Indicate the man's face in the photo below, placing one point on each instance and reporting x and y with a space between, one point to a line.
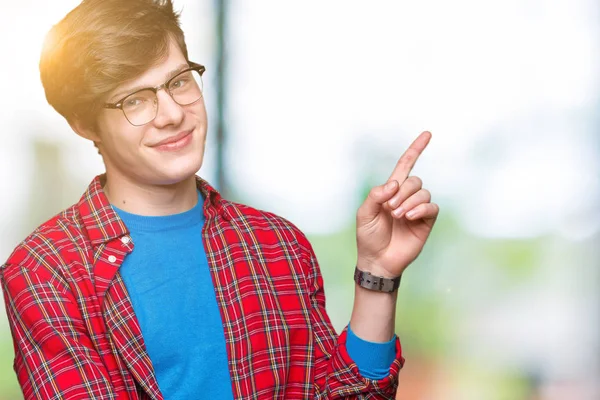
134 154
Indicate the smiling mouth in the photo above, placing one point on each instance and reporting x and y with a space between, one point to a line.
174 139
176 142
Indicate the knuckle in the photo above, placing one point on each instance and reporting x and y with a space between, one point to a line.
432 209
409 157
411 185
426 194
375 191
416 181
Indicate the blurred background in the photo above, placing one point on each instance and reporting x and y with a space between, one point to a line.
312 102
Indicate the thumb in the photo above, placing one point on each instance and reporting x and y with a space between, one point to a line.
375 200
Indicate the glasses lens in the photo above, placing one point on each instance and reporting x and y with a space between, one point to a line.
140 108
186 88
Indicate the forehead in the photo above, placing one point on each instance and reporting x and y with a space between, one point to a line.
157 74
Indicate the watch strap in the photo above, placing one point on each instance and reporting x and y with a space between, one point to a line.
378 283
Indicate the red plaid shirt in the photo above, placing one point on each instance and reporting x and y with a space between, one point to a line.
76 335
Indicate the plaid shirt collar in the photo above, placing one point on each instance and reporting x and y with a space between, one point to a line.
103 224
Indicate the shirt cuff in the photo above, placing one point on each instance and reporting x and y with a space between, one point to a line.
372 359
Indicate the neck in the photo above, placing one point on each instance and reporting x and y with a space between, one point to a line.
152 200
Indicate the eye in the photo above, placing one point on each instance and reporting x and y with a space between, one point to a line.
179 83
134 102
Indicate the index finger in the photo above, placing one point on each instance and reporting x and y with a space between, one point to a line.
406 163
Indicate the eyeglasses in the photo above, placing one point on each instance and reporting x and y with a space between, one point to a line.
141 106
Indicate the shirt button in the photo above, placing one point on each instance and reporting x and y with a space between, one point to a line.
112 259
125 239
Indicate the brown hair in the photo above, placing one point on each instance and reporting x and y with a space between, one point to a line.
99 45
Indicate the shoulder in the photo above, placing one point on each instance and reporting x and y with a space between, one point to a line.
278 240
50 244
269 223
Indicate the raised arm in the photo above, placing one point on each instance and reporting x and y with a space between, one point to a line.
336 374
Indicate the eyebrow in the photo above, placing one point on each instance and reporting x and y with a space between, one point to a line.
122 93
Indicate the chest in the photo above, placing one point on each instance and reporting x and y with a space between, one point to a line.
263 306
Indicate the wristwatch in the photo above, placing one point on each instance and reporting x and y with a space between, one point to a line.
377 283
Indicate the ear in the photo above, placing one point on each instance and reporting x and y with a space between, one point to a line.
85 130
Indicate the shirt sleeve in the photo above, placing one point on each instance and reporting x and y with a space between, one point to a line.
54 356
373 359
336 374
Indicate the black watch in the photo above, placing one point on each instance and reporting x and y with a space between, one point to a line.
377 283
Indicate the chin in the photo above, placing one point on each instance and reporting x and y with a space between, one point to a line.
180 172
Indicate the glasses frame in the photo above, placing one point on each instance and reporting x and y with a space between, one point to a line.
119 103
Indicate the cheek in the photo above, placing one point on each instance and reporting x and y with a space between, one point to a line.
122 138
198 110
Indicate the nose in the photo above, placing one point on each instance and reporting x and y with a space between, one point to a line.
169 112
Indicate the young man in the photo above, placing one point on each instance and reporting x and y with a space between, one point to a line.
153 285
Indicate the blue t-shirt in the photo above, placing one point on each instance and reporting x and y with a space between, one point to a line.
173 296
